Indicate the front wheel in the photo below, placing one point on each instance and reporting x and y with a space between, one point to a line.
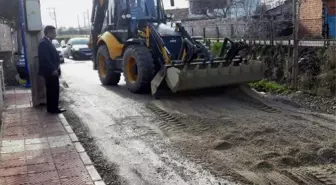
73 54
106 73
139 68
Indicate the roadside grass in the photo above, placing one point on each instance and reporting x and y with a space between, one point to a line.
270 86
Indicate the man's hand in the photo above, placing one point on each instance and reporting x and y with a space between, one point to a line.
55 73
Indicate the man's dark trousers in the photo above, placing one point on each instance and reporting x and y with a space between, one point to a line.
49 64
52 91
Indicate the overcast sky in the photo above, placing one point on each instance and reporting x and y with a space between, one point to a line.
67 11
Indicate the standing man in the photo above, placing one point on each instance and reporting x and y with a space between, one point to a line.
49 68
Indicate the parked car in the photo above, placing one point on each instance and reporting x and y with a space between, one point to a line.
59 49
78 48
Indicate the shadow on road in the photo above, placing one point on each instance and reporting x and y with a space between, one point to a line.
165 93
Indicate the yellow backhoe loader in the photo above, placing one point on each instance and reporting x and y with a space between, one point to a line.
133 37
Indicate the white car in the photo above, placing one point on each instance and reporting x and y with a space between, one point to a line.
59 49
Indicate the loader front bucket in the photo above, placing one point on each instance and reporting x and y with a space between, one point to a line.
199 76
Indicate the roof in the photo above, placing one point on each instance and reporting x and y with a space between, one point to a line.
9 12
181 13
284 7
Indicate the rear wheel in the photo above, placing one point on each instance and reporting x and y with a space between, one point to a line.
139 68
106 74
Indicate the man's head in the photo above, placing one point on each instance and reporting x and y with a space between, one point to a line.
50 32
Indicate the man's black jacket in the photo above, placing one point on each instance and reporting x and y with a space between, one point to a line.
49 59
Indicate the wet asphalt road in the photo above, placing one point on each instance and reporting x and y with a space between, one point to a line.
126 132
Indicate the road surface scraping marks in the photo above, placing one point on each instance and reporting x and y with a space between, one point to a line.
240 135
228 136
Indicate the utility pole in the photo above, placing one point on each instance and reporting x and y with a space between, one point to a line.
84 18
78 24
296 23
52 13
88 16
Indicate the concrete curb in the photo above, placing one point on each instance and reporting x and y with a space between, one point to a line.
95 177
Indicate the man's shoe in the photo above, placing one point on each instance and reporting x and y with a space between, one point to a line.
58 111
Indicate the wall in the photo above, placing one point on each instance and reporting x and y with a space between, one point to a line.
311 19
7 46
5 38
331 17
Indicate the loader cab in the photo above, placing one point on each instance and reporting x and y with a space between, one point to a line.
124 16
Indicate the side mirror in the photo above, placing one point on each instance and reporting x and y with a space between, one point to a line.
172 3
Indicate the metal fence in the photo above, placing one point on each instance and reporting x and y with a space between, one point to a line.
312 32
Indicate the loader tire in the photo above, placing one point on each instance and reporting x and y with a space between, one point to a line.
105 71
139 69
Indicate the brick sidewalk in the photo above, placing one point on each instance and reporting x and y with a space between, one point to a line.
40 149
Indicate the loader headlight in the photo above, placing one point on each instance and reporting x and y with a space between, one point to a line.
169 15
128 16
123 16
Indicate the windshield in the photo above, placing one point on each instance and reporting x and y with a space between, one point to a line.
146 9
83 41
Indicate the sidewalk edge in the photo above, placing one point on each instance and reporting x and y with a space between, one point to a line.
94 175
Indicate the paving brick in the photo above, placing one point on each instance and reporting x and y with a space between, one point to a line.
64 138
66 155
43 177
67 164
33 129
74 172
4 172
63 149
32 117
11 118
37 146
13 131
10 107
45 119
42 167
21 105
36 141
17 180
53 182
10 97
12 124
7 143
30 122
53 130
76 181
14 137
59 141
12 163
39 156
12 149
13 156
57 133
